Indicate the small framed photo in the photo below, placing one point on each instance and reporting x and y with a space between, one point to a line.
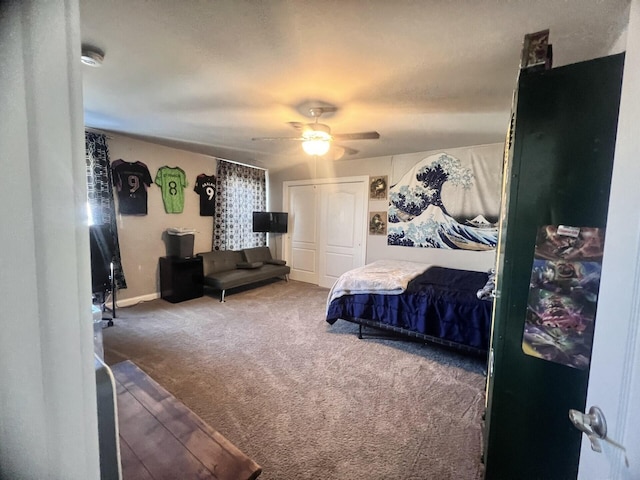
536 51
378 187
377 223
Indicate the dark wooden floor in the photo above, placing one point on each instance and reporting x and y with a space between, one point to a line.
160 438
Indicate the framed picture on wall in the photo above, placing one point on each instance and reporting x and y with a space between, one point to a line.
377 223
537 53
378 187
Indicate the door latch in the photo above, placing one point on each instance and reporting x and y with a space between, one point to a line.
594 425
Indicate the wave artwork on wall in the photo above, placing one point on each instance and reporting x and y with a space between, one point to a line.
418 216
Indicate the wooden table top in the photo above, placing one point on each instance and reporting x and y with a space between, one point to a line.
160 438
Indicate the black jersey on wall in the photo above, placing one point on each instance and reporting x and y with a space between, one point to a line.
206 187
131 180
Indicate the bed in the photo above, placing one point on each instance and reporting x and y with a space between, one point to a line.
443 305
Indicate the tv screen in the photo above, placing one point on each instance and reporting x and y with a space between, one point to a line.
261 221
271 222
278 222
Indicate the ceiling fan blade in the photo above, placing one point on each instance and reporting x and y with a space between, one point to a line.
340 152
298 139
357 136
297 125
349 151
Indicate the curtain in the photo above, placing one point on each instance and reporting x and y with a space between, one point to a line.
101 207
240 191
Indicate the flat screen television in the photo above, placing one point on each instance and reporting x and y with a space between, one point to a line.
270 222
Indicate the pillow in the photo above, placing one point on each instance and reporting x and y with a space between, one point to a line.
276 262
249 265
488 291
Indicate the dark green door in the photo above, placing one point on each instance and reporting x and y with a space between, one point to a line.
559 174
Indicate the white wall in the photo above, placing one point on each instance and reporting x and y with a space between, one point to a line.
48 420
394 167
141 236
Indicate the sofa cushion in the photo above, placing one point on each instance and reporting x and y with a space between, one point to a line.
239 277
249 265
257 254
220 261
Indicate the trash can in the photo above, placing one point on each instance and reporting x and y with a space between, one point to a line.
180 242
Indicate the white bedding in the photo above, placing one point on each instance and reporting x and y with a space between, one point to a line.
389 277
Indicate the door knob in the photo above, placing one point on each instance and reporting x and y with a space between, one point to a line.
594 425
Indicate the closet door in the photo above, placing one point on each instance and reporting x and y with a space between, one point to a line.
340 245
327 231
303 246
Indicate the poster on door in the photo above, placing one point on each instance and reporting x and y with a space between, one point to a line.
563 294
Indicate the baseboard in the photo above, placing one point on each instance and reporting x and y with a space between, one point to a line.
127 302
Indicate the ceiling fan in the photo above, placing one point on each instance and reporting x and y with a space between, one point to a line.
316 137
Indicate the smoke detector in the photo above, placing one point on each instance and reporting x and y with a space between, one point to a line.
92 57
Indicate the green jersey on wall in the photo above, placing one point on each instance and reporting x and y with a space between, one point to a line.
172 181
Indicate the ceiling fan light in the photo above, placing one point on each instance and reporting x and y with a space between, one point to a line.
317 129
312 134
316 147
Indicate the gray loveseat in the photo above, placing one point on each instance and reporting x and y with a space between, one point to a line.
225 269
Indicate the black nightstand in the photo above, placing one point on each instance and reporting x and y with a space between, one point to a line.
180 278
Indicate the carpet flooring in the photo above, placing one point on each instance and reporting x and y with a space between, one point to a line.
304 399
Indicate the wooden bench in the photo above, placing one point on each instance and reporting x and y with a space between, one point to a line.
160 438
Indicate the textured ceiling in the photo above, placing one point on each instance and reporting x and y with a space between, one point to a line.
208 76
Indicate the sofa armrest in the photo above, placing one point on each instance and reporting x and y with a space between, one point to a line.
274 261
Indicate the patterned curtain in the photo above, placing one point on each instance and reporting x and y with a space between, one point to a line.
240 191
100 195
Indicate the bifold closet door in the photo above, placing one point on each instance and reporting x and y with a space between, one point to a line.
340 243
303 234
326 230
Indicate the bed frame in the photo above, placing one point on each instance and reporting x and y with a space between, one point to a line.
440 306
399 332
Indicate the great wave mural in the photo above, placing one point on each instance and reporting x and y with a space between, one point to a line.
418 216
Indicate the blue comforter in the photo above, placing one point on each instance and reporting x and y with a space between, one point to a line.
441 302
